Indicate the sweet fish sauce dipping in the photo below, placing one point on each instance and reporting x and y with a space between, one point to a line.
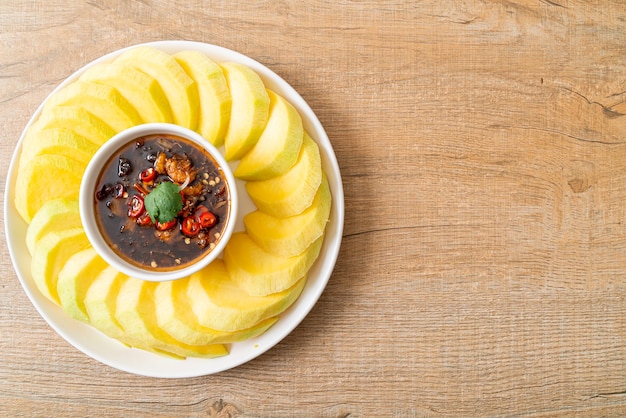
148 177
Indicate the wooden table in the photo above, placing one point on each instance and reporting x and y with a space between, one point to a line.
483 151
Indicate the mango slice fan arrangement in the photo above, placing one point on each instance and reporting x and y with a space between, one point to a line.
263 269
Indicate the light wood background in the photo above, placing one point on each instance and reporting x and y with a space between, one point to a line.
483 152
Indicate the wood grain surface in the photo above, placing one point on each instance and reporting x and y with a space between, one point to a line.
482 145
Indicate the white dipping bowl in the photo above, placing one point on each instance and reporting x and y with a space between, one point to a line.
87 201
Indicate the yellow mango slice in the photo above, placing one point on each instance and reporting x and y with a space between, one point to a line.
218 303
102 101
76 119
179 88
278 146
57 141
250 105
50 254
287 237
100 304
75 278
135 311
292 192
213 94
54 215
260 273
143 92
174 316
46 177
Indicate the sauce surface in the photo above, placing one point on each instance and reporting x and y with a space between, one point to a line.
132 173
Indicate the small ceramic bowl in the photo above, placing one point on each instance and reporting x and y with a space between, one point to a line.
87 202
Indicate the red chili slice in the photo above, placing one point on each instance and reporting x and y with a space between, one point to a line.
136 206
205 218
190 226
164 226
144 219
148 175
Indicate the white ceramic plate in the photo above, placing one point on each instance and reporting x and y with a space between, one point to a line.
111 352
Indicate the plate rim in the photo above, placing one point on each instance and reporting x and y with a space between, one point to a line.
140 362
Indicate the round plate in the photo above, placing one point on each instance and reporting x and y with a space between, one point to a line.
111 352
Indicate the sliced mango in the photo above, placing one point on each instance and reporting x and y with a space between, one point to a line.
57 141
179 88
75 278
102 101
46 177
249 109
287 237
278 146
54 215
218 303
214 96
143 92
174 316
50 254
135 311
100 301
292 192
76 119
260 273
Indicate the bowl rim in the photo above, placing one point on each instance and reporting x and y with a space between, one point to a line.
88 189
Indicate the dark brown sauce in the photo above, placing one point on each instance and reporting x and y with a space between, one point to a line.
146 246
